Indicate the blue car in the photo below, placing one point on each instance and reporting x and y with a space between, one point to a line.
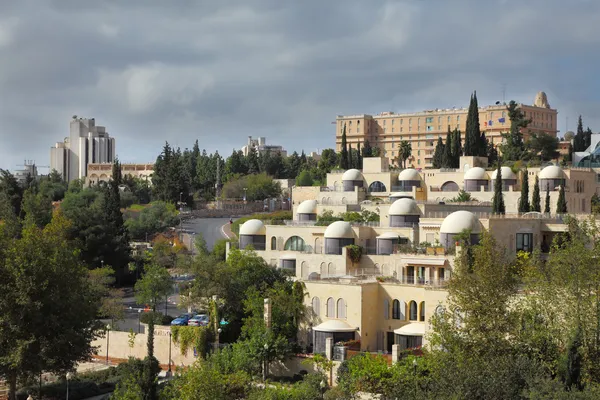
182 320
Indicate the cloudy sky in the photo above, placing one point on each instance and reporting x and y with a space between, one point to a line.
219 71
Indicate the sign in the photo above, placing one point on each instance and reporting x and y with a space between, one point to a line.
223 322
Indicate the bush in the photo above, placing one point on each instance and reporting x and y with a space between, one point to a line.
152 219
274 218
159 319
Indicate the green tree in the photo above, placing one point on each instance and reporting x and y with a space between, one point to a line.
258 187
447 157
304 179
252 161
543 146
513 147
153 219
561 204
535 198
117 175
154 287
12 190
438 155
524 200
547 206
573 378
475 144
404 152
48 321
37 208
344 162
498 199
579 140
457 150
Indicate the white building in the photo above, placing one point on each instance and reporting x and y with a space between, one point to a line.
29 170
261 147
87 143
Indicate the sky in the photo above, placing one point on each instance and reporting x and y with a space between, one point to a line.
219 71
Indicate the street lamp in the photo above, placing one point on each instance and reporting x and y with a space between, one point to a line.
68 376
139 320
265 362
415 373
218 338
245 190
169 373
107 341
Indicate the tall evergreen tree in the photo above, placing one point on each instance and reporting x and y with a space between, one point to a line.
524 201
498 200
587 136
491 153
473 139
344 153
513 146
117 174
579 140
561 204
438 155
547 206
484 146
359 157
457 150
447 156
535 198
367 151
252 160
351 158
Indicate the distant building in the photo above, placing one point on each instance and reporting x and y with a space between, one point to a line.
590 158
86 144
102 172
29 169
261 147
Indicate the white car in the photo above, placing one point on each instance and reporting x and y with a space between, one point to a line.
198 320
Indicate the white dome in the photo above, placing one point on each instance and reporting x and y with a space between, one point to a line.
507 173
404 207
253 227
334 325
307 207
409 174
352 175
339 230
459 221
476 173
552 172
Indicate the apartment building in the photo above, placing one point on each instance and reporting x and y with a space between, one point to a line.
422 129
102 172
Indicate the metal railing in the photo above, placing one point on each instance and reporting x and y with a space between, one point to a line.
375 224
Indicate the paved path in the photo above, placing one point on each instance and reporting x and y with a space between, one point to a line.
210 228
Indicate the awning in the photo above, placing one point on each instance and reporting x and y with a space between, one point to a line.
334 325
425 261
412 329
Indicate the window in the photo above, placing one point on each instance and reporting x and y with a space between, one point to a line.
396 311
386 309
341 309
449 118
458 118
418 152
412 310
273 243
392 122
316 306
401 121
439 119
295 243
422 311
429 120
525 242
392 128
429 128
330 308
384 122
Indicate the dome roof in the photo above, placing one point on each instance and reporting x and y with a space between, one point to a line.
334 325
404 207
507 173
352 175
459 221
409 174
307 207
253 227
552 172
339 230
476 173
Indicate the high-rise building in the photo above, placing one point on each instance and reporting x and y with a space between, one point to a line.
87 143
422 129
261 147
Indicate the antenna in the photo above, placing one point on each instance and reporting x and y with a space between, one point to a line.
217 185
567 125
504 93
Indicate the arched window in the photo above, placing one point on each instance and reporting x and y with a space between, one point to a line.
318 246
395 309
377 186
330 308
386 309
449 187
316 306
341 309
422 311
323 269
330 269
273 243
314 276
304 270
440 310
295 243
413 310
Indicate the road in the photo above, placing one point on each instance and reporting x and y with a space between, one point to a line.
210 228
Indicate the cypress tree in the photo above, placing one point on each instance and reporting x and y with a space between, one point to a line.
535 198
561 204
587 136
469 142
457 150
447 161
524 202
547 206
350 156
498 201
366 151
117 174
578 140
359 157
438 154
474 145
344 152
483 146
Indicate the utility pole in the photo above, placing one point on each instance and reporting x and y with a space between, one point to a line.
217 185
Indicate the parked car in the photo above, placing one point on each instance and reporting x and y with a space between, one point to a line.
181 320
198 320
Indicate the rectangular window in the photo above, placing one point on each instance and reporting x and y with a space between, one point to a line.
429 120
400 129
384 122
401 121
439 127
392 122
457 118
429 128
419 161
392 128
449 118
525 242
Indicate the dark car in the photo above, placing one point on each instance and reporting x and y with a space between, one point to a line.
182 320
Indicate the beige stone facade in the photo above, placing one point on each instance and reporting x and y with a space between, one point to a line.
422 129
103 172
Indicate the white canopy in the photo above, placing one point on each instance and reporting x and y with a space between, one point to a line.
412 329
334 325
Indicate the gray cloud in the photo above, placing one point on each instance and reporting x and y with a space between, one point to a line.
219 71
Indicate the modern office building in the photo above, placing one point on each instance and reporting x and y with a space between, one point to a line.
87 143
261 147
422 129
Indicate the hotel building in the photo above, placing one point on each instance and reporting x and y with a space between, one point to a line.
422 129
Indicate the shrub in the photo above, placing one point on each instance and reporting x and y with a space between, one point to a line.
191 336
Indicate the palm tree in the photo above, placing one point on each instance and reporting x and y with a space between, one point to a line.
405 152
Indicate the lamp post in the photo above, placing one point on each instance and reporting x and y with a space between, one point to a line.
139 320
107 341
169 373
265 362
217 341
68 376
415 373
245 190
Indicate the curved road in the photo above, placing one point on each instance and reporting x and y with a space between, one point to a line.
210 228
